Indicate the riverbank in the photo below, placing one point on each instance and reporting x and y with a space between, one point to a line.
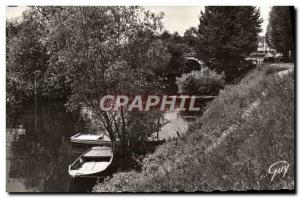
249 127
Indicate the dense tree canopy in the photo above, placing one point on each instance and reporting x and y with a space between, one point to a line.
178 46
227 35
190 36
279 31
92 52
26 57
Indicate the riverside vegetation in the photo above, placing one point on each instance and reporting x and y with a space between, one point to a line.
76 55
79 54
242 133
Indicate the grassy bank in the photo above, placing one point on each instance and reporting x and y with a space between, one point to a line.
244 131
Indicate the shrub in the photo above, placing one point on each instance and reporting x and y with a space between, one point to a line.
204 82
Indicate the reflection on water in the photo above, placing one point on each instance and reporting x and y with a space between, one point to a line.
38 156
176 123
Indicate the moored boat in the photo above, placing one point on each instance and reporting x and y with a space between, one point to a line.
91 139
92 163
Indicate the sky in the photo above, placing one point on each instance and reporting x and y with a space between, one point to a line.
177 18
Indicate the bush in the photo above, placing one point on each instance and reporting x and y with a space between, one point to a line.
204 82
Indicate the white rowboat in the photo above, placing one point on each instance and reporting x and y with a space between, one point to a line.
94 162
91 139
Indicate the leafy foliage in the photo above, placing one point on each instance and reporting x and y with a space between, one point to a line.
203 82
279 30
91 52
110 50
190 36
25 56
226 35
178 46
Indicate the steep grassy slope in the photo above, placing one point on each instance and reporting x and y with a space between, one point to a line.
244 131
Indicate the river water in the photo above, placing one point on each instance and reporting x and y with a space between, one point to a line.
39 151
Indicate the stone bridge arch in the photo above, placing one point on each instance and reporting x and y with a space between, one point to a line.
193 63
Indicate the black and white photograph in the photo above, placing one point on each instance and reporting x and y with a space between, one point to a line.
150 99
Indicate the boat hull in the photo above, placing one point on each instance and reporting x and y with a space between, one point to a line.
89 165
91 142
102 174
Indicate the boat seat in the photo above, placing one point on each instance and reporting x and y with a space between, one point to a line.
91 166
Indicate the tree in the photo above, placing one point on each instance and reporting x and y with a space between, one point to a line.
226 36
28 59
177 47
190 36
26 55
85 53
108 50
279 30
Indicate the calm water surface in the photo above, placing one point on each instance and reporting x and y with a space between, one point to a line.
39 151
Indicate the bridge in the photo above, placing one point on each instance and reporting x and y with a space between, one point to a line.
192 61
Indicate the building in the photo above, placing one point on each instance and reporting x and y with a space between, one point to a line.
263 46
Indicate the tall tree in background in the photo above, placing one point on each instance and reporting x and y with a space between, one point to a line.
190 36
177 47
279 31
226 36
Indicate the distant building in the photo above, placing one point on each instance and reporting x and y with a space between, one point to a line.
264 53
263 46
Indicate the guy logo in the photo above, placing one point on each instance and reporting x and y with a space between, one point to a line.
277 168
